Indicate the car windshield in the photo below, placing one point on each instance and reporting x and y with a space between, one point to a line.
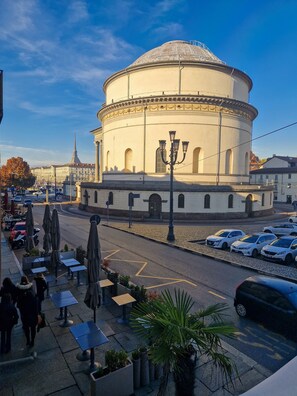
249 238
222 233
284 243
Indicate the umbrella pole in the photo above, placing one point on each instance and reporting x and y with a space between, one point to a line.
94 315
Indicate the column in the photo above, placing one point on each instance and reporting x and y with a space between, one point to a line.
97 159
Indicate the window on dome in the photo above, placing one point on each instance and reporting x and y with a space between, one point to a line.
229 162
198 160
230 201
128 160
160 166
95 197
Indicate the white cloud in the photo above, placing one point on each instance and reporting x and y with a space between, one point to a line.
77 11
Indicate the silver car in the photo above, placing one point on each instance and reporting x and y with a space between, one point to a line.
282 229
222 239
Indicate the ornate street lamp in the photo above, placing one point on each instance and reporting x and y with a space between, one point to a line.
174 147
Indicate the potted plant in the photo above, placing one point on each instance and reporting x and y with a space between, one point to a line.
116 377
28 258
139 293
123 285
80 254
175 335
136 368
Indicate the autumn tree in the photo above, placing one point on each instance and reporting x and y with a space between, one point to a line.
16 172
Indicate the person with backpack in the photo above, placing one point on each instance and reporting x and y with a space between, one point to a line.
8 318
28 306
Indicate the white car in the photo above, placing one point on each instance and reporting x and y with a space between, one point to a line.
224 238
251 244
282 229
292 219
283 250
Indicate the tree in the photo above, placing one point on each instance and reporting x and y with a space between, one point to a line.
16 172
175 335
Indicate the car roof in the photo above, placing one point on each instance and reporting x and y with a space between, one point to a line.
230 229
281 285
288 237
20 223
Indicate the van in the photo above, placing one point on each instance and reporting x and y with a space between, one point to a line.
269 300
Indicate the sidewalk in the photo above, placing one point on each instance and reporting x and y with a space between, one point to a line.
53 369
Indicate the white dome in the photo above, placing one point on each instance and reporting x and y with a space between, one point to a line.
178 50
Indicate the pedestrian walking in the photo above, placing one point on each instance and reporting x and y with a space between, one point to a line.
9 287
28 306
8 318
41 287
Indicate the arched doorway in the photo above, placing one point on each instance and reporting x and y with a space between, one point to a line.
86 197
249 205
155 206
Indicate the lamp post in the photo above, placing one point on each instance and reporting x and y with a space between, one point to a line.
174 147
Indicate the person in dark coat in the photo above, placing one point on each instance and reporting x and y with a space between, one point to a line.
9 287
41 287
8 318
27 304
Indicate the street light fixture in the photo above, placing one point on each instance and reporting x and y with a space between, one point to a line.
174 147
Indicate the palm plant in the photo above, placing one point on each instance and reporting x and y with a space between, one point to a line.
175 335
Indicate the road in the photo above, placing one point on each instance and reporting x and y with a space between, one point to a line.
157 266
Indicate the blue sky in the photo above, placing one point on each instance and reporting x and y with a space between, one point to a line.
56 55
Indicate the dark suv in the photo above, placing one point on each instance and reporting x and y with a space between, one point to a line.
270 300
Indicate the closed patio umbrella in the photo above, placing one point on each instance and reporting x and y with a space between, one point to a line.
29 242
46 225
55 238
93 294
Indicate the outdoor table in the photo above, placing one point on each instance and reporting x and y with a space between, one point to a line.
70 263
49 278
38 270
123 300
103 284
89 336
63 300
77 269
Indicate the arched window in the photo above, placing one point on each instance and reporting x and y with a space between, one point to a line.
128 160
86 197
229 162
198 160
160 166
263 199
181 201
230 201
207 201
95 197
107 161
110 198
246 164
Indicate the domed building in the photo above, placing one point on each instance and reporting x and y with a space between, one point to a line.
180 86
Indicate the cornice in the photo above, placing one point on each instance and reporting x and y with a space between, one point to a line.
177 103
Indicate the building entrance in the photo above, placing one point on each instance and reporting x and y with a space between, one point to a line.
155 206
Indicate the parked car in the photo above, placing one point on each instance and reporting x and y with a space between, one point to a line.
251 244
283 250
18 199
292 219
282 229
19 226
223 238
27 202
270 300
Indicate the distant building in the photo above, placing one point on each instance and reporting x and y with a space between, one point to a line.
180 86
280 172
72 172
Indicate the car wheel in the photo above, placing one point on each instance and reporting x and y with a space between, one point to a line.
241 310
293 233
290 220
268 231
225 246
288 259
255 253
